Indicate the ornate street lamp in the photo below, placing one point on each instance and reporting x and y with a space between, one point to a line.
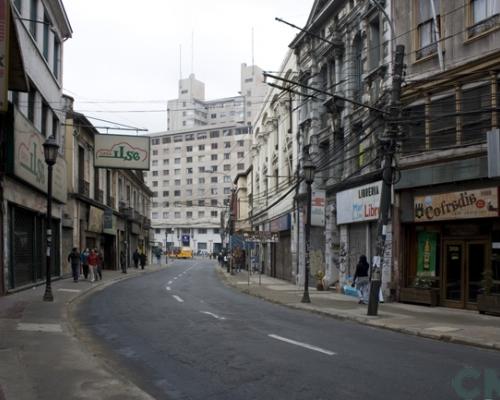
308 169
50 149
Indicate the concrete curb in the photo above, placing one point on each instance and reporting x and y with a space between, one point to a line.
366 321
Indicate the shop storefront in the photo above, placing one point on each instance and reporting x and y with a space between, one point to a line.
357 215
282 265
451 238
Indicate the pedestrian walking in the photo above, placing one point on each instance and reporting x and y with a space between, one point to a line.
123 262
158 256
92 260
142 259
361 281
84 259
136 256
100 264
74 259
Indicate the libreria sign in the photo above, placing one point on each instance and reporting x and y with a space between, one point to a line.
124 152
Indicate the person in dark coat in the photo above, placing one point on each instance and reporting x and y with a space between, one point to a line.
84 259
123 262
142 258
361 281
74 259
136 256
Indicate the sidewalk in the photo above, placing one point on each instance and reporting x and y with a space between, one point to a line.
40 356
452 325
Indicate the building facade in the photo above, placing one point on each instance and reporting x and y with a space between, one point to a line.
447 201
41 27
344 59
274 176
191 178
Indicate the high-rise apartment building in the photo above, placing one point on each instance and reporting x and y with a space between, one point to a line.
195 162
191 176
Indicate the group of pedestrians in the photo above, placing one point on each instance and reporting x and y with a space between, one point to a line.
139 257
88 263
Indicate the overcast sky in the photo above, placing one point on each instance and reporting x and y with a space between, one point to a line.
124 54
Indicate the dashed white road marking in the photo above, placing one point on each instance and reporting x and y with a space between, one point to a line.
304 345
69 290
178 298
170 282
53 328
213 315
168 288
175 278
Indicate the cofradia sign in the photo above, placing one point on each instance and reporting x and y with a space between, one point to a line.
123 152
480 203
359 204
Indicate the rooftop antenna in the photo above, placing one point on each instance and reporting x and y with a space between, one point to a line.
180 61
253 61
192 51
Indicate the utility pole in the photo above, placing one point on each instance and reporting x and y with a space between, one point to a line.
388 147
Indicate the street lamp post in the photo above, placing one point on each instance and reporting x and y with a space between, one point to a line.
50 148
308 168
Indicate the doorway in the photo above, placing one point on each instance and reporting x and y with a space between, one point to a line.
464 264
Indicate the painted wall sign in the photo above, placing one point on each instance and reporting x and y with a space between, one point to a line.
318 201
4 53
123 152
96 216
282 223
481 203
359 204
29 160
261 237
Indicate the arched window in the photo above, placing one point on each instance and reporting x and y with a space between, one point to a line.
357 48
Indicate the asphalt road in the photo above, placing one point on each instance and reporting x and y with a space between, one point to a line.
182 334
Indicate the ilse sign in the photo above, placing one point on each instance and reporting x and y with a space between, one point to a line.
124 152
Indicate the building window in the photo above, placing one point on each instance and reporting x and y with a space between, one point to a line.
178 139
56 58
484 16
189 214
213 191
177 161
189 170
214 146
201 214
189 181
201 203
227 145
165 161
177 193
155 183
227 190
154 163
214 134
189 149
177 215
213 157
165 214
177 171
166 182
241 154
216 230
213 203
427 31
166 193
31 104
227 179
375 49
189 159
155 141
155 152
165 172
155 194
189 192
177 182
227 156
155 215
201 181
358 68
241 143
213 116
201 169
189 203
155 173
165 140
201 147
213 179
241 166
202 231
214 214
46 29
227 167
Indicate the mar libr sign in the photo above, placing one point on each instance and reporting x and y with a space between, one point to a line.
479 203
123 152
359 204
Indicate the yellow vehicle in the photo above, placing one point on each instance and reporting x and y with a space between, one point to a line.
185 252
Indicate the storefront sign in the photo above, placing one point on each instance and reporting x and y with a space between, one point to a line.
261 237
4 53
185 240
426 260
95 219
109 222
318 201
123 152
135 228
29 160
479 203
359 204
282 223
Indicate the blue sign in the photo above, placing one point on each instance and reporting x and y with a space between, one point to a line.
185 240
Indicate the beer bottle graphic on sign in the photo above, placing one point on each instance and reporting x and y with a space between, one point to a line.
427 255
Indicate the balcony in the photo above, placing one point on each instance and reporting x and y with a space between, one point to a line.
110 201
146 223
484 26
83 188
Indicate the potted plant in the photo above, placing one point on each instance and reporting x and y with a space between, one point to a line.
422 291
488 302
320 285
